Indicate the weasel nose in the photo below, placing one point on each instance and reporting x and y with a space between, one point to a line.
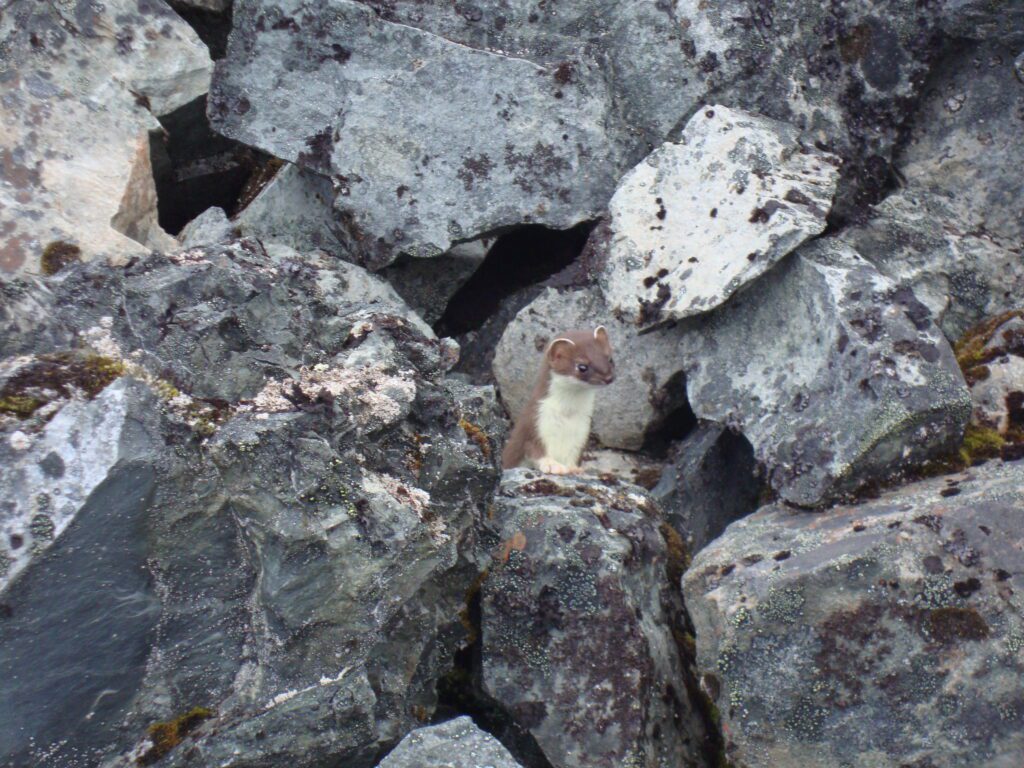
609 378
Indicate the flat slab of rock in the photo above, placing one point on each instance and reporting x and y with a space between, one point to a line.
433 142
833 374
457 743
698 219
79 88
577 625
888 633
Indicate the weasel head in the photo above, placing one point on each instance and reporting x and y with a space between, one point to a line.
584 356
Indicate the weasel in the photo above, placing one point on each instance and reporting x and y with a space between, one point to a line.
553 427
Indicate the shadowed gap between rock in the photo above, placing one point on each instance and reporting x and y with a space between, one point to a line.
678 421
212 26
521 257
460 692
195 168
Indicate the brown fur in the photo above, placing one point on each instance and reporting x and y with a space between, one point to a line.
564 355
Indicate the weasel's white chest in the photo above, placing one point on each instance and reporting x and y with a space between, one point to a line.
563 419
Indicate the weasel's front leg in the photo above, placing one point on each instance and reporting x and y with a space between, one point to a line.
551 467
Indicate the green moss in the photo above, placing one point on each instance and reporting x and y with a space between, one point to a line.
58 255
167 735
980 443
54 376
970 349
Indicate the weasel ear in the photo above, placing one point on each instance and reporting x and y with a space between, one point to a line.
602 337
560 348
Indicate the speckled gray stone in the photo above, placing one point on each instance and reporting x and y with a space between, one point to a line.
457 743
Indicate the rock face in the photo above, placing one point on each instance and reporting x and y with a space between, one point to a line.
696 220
80 89
574 617
831 372
455 744
461 142
882 634
916 240
967 146
708 481
992 356
286 503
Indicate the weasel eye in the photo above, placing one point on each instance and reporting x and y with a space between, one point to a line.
582 368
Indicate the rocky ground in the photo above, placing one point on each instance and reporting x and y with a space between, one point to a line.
275 275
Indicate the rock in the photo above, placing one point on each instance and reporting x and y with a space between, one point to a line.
427 285
962 277
457 743
294 209
208 228
577 625
833 374
461 143
708 481
980 20
886 633
79 93
286 504
696 220
646 388
992 357
966 146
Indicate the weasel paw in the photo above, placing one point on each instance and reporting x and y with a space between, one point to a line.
551 467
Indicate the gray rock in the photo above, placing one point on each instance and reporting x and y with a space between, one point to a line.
708 481
833 374
646 388
79 88
463 141
915 239
577 626
696 220
278 528
294 209
992 356
887 633
966 142
208 228
982 20
457 743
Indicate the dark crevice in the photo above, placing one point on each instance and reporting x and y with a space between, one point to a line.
213 27
460 692
677 422
519 258
195 168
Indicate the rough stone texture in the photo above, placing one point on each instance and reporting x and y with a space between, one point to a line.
278 526
294 209
208 228
79 88
992 356
696 220
708 481
833 374
459 143
961 276
966 141
888 633
457 743
576 619
646 385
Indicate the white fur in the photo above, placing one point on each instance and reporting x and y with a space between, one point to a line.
563 419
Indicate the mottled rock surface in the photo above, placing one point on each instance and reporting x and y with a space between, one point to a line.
962 276
888 633
992 357
208 228
79 88
577 620
457 743
286 504
698 219
833 374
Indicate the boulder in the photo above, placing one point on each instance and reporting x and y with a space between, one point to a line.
285 504
885 633
698 219
457 743
80 91
208 228
915 238
966 143
578 623
708 480
461 141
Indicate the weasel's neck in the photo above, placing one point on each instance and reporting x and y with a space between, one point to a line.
563 418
